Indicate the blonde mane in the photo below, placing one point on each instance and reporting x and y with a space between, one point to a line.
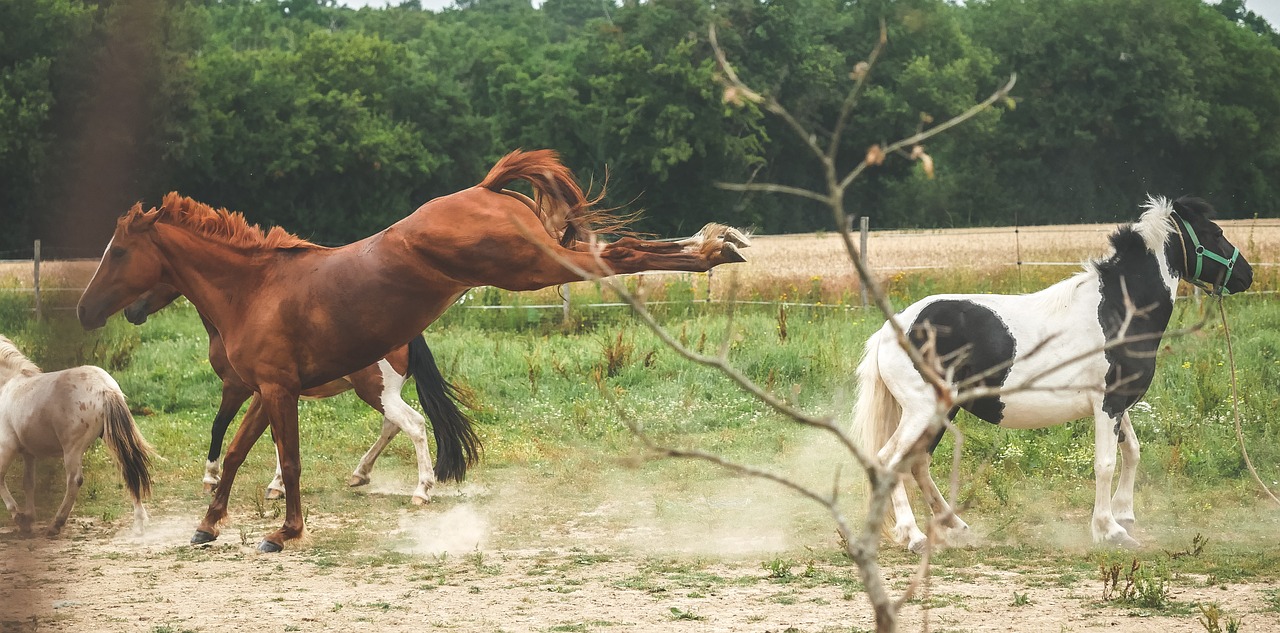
12 358
228 227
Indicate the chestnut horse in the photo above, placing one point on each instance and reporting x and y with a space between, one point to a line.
378 385
294 315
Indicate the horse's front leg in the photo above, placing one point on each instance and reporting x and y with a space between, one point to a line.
281 405
22 519
1122 502
73 461
1105 527
251 428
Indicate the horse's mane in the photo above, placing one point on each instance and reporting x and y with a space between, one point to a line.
228 227
1150 233
11 357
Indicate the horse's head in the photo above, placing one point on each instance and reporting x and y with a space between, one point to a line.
150 302
131 265
1202 255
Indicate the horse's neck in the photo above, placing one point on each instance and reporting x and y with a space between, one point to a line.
202 269
1137 292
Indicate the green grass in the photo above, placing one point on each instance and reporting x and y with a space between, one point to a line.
550 397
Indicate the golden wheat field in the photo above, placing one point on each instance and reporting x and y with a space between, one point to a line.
814 267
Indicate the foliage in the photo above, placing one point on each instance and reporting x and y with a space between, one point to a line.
335 122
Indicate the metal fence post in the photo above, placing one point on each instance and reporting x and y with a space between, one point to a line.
35 275
564 296
864 224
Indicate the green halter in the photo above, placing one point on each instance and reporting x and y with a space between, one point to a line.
1201 253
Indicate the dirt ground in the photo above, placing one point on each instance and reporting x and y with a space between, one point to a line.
465 566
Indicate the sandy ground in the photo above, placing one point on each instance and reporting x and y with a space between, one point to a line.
448 567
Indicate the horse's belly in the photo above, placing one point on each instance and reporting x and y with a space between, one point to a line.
1038 409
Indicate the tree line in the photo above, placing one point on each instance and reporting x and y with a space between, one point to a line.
336 122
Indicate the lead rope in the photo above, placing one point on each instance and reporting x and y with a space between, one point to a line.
1235 404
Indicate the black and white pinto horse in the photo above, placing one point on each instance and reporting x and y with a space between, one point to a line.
1021 344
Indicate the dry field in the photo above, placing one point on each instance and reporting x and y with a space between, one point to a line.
1048 252
817 266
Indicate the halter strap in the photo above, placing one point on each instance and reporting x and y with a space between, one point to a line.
1201 253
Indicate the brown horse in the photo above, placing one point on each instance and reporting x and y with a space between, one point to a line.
294 315
378 385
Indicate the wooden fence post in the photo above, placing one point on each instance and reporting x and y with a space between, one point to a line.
864 224
35 275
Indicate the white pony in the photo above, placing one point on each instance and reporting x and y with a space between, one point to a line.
1021 344
61 413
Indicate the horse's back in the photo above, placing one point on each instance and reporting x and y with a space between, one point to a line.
1003 341
50 411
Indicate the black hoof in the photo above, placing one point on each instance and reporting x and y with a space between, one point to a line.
201 537
267 547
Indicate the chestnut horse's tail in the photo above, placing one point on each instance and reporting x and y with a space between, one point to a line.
565 211
457 446
132 452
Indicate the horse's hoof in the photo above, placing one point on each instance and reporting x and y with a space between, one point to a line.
267 547
355 481
53 532
1123 540
24 522
201 537
418 501
208 488
1127 524
729 253
273 493
918 545
736 237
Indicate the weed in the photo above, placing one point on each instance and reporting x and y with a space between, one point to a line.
779 569
679 614
1197 547
617 353
1020 599
1143 586
1211 619
1272 599
782 323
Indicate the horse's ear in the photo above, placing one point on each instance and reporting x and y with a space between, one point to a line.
137 220
1189 207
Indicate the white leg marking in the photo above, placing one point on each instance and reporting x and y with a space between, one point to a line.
1104 525
1122 502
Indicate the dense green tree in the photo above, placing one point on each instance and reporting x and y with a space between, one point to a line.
336 122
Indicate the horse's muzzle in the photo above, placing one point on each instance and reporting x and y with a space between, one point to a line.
89 321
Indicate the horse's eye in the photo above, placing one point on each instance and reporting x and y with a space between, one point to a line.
117 252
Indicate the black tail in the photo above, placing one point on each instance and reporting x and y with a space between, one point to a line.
457 446
132 452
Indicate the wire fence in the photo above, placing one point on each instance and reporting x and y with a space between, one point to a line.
34 257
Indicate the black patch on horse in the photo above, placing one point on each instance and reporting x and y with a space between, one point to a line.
986 343
1133 268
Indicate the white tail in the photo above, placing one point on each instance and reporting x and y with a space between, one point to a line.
877 412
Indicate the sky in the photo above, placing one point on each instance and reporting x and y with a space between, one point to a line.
1268 9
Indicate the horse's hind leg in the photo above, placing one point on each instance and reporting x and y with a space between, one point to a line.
73 461
28 493
905 529
1122 502
942 511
